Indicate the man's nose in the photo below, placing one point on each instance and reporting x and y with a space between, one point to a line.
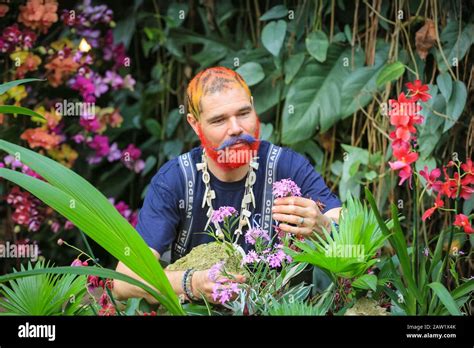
234 128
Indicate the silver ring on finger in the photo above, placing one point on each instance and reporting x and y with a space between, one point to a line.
301 221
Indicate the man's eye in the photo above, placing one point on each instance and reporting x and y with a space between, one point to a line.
244 114
217 121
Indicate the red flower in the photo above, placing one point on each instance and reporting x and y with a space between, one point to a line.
463 221
418 91
467 167
469 172
104 299
109 310
450 186
466 191
438 204
404 159
431 177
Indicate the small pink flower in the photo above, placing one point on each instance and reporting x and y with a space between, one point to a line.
251 257
76 263
253 234
222 213
286 188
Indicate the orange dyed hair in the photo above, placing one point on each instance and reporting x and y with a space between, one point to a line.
209 81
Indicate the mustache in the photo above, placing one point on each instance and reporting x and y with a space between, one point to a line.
244 138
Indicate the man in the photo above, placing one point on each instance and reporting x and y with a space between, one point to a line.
186 190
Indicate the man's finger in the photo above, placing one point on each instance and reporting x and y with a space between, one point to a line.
293 200
289 218
239 278
295 230
290 210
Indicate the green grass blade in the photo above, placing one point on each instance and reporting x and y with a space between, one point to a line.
464 289
445 298
4 87
11 109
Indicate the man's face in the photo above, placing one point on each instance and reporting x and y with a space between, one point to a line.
229 128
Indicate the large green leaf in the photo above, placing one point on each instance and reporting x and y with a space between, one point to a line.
4 87
455 44
430 131
455 105
115 234
252 73
213 49
390 73
359 87
445 84
317 44
367 281
292 66
273 36
267 93
323 93
314 94
275 12
176 14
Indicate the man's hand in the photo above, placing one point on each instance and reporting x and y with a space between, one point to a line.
202 284
302 212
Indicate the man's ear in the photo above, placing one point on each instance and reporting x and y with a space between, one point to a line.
193 122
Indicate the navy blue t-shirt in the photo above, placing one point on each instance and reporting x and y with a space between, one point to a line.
160 218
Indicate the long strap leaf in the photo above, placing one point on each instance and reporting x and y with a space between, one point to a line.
81 190
95 227
445 298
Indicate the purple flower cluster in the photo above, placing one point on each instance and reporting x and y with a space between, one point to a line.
91 85
130 156
278 256
251 257
126 212
100 143
86 18
286 188
253 234
12 37
215 271
223 212
224 288
273 257
224 292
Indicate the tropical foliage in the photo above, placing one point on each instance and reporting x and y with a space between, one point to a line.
93 103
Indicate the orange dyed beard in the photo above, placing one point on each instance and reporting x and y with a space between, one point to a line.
242 152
